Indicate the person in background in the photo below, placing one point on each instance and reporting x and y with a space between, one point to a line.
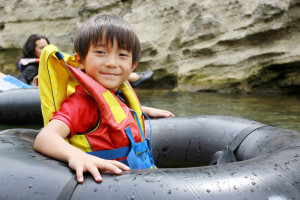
136 78
28 63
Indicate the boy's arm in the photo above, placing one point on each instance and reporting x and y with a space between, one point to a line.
51 142
154 112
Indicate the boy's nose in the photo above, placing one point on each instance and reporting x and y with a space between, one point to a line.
111 61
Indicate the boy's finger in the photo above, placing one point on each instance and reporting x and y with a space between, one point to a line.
79 175
95 173
110 166
80 179
120 165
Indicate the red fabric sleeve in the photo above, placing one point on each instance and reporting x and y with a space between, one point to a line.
79 112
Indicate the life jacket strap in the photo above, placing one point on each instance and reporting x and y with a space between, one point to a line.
149 141
112 153
118 153
139 156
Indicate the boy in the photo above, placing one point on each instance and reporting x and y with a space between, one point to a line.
107 50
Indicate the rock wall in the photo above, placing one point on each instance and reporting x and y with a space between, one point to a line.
213 45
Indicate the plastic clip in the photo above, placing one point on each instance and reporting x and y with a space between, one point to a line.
59 55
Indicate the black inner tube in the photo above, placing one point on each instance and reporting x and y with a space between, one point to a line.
267 168
21 106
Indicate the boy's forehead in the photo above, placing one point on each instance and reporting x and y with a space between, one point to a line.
103 40
106 42
101 43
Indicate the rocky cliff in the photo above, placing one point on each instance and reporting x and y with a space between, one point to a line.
212 45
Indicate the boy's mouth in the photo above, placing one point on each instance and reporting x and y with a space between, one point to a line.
109 74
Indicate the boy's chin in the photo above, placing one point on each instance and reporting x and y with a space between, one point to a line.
113 88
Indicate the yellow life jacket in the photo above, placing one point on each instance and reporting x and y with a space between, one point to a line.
55 81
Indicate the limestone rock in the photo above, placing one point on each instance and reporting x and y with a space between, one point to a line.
213 45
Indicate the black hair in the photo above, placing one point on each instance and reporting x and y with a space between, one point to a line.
107 27
28 49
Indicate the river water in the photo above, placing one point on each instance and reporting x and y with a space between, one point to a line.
275 110
272 109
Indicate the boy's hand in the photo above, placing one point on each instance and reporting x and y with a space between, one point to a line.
51 142
89 163
154 112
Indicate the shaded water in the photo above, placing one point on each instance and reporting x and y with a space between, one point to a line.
274 110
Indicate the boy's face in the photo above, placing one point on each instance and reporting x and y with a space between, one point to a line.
107 64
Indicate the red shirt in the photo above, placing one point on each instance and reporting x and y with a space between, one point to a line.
79 112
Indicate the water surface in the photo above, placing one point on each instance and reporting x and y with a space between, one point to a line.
275 110
272 109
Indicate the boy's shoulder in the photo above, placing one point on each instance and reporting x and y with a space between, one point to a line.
81 95
79 98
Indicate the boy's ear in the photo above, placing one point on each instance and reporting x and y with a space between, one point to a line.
134 65
79 62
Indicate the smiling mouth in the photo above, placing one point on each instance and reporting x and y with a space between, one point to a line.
109 74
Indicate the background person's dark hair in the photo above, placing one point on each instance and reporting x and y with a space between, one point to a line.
29 46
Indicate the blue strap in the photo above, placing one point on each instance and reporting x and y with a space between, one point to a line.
118 153
149 150
118 92
112 153
59 55
140 157
138 123
140 147
129 135
140 128
150 143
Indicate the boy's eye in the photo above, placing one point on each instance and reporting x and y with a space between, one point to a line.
124 54
100 52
